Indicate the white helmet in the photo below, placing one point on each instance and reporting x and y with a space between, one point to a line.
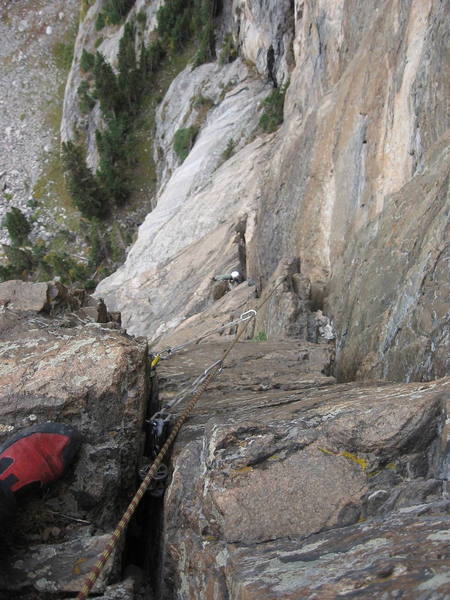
235 274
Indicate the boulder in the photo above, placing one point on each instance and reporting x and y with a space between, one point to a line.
21 295
93 376
276 451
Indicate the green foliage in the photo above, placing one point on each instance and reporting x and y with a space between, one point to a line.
183 140
261 337
106 86
228 52
113 145
20 262
129 80
90 285
87 195
116 10
100 21
98 244
141 18
98 42
272 116
8 272
172 15
150 58
120 96
87 102
203 22
40 264
179 21
63 55
87 61
229 150
201 102
17 225
32 203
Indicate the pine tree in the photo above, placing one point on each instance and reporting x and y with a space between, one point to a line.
129 80
17 225
113 148
106 87
83 187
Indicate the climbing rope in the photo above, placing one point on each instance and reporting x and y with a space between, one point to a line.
200 385
249 314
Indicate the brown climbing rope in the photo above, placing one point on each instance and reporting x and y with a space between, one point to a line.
117 533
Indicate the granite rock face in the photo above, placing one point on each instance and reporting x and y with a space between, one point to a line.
287 485
405 553
365 122
65 367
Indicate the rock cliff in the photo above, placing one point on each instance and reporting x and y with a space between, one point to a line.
354 184
315 466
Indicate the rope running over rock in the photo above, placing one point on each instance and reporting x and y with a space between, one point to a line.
117 533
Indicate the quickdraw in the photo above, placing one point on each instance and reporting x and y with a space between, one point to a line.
163 354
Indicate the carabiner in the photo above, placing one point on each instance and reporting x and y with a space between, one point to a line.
248 314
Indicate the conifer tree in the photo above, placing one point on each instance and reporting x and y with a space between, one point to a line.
17 225
129 81
113 148
106 87
86 194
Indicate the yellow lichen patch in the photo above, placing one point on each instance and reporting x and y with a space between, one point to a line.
361 520
326 451
274 457
76 567
210 538
373 473
362 462
243 470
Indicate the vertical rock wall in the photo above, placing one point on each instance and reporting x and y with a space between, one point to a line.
353 184
360 123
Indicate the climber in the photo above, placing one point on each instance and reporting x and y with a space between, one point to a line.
234 278
34 457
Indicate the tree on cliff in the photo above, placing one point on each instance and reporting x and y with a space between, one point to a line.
83 187
106 86
17 225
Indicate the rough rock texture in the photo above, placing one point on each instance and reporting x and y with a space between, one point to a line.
404 554
29 33
360 137
263 32
364 134
388 329
286 485
67 369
